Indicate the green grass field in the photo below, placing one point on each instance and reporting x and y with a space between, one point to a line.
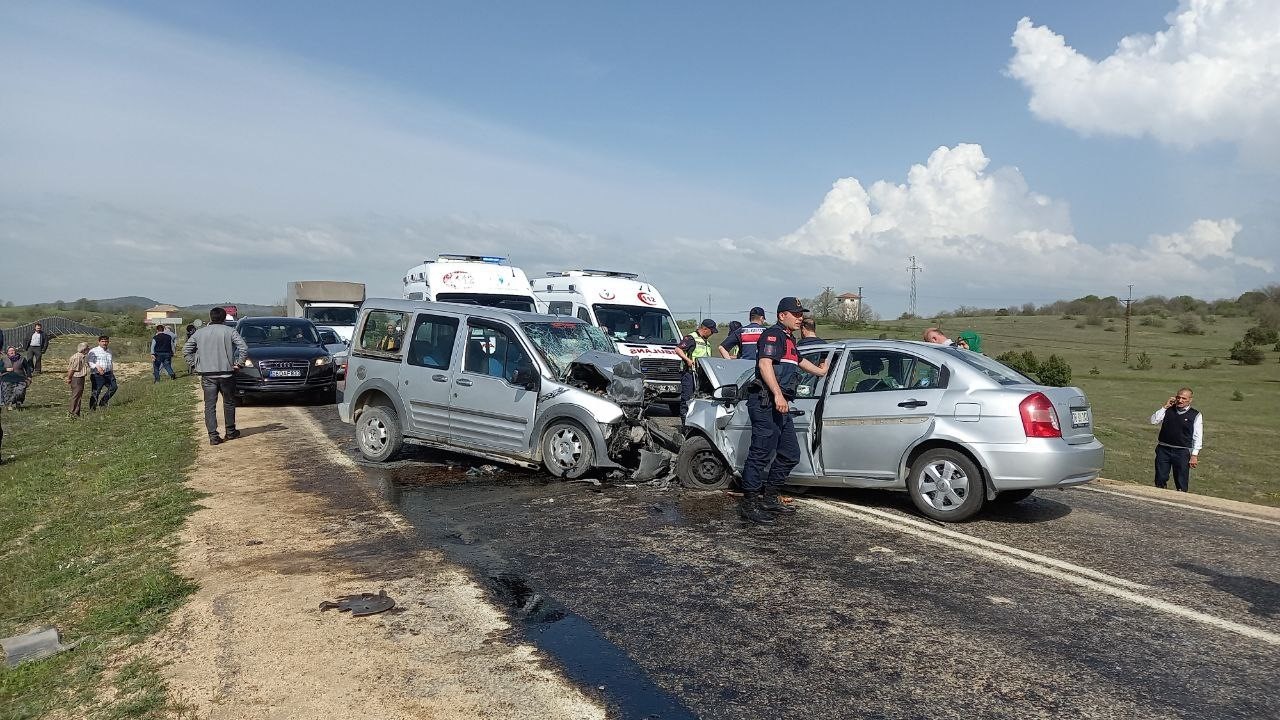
88 512
1241 443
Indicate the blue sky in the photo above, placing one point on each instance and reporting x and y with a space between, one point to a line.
206 150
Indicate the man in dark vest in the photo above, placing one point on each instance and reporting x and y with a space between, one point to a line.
1181 436
161 354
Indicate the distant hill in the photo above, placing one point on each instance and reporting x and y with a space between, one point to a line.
246 309
131 302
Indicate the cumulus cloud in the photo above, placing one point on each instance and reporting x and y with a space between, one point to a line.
1213 75
963 220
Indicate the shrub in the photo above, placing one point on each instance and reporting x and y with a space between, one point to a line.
1023 362
883 336
1094 370
1204 364
1109 328
1237 396
1080 324
1247 354
1143 362
1068 317
1189 325
1151 321
1002 312
1261 336
1277 347
1055 372
1093 320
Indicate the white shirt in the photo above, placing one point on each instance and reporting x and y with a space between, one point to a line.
1197 428
37 339
100 359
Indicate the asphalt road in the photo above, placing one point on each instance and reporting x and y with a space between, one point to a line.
1074 603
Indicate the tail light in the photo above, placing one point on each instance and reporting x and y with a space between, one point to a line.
1039 419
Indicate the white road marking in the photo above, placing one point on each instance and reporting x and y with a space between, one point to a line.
1014 557
1184 506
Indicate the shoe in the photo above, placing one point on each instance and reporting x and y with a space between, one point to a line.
215 440
750 511
772 502
232 434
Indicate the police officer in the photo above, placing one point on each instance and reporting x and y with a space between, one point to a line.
773 434
690 349
745 337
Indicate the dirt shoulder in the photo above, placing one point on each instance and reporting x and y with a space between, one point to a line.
1210 502
287 524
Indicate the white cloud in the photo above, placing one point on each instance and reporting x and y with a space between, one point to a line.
1213 75
988 228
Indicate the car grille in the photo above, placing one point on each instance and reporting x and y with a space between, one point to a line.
661 368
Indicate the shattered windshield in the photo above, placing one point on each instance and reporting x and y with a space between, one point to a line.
633 323
562 342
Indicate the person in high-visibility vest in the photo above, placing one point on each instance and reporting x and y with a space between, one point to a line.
690 349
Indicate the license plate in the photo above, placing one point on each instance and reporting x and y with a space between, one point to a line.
668 387
285 373
1079 418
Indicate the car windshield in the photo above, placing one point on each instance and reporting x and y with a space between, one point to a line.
522 303
633 323
278 332
328 337
332 315
997 371
562 342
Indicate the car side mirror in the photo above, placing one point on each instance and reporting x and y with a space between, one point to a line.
726 393
527 379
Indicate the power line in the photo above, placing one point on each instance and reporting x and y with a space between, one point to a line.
912 269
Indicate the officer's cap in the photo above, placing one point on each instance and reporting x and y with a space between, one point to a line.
791 305
757 311
710 325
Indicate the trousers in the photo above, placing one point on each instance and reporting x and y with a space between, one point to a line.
213 387
107 381
77 393
1176 459
163 361
773 437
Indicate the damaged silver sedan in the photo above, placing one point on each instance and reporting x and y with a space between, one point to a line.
512 387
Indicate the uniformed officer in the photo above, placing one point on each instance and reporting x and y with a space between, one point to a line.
690 349
745 338
773 435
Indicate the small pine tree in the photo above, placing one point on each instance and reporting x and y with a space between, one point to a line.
1144 362
1055 372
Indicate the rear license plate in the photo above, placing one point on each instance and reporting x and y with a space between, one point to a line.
1079 418
285 373
668 387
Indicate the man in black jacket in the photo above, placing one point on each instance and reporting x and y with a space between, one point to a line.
161 354
35 346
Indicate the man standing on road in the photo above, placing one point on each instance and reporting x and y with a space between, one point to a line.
690 349
162 354
35 347
745 337
103 373
1181 437
77 371
773 434
215 352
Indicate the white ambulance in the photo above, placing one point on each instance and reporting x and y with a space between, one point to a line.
629 311
472 279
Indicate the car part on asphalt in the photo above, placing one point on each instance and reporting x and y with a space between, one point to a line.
362 604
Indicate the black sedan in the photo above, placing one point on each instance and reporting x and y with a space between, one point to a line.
285 356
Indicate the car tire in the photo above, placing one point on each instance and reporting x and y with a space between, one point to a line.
1009 497
378 433
946 485
699 466
567 451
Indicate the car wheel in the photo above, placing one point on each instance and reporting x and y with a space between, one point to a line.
378 433
946 485
566 450
700 466
1009 497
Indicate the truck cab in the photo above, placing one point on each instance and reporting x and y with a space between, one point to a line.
631 312
485 280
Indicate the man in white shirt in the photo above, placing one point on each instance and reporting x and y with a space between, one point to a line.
35 347
1181 437
102 371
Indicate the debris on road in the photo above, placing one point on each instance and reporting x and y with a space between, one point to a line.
482 470
35 645
362 604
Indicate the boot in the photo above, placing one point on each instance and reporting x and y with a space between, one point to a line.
771 502
750 511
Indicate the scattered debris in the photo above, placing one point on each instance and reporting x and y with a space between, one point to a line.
591 481
35 645
362 604
482 470
252 542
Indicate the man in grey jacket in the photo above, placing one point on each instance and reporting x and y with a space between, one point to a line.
215 352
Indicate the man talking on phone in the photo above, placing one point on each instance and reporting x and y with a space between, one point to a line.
1181 437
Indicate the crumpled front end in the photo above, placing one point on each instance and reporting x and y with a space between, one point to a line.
635 443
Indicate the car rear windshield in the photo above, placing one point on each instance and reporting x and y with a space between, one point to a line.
997 371
633 323
276 332
522 303
562 342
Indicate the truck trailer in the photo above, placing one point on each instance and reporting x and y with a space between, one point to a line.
331 303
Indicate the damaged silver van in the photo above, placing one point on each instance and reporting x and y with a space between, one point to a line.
503 385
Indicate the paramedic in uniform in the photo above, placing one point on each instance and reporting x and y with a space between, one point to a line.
745 337
773 433
690 349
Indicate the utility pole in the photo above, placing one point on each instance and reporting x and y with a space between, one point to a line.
1128 322
913 269
859 305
